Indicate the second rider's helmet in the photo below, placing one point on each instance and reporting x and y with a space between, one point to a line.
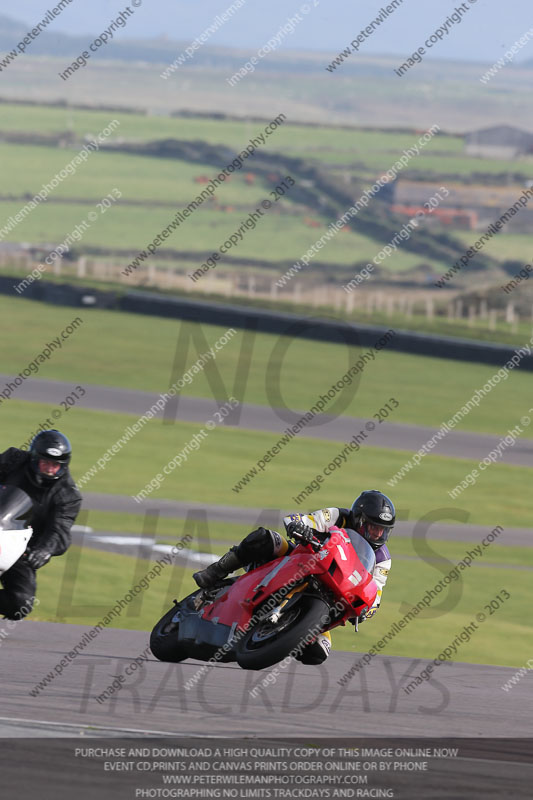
50 456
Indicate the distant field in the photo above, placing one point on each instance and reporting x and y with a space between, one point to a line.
317 141
376 150
365 90
372 162
277 236
505 246
152 180
27 168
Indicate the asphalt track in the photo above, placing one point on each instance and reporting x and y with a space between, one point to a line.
390 435
305 706
302 706
462 699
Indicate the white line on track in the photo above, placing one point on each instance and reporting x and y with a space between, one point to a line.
137 541
89 727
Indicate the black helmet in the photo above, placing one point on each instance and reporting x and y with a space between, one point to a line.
51 446
375 509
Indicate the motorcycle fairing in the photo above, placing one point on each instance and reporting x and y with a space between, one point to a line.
337 565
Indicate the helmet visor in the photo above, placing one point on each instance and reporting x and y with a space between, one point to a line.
375 532
48 467
376 535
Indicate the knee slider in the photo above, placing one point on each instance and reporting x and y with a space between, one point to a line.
316 652
19 606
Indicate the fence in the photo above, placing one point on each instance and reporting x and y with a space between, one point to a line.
236 283
308 326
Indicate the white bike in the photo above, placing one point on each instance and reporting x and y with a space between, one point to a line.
15 530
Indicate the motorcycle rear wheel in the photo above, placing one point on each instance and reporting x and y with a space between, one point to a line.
265 644
164 642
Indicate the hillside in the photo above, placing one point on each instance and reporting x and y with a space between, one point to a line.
364 93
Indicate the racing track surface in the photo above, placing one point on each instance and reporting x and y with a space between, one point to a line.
390 435
462 700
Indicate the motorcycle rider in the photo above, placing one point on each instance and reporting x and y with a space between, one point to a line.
43 473
372 515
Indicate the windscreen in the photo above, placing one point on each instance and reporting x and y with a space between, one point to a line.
15 508
364 551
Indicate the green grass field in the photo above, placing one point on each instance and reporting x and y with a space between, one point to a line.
139 353
505 246
212 536
82 586
81 591
281 234
496 498
109 349
317 140
139 178
149 180
277 236
108 344
377 149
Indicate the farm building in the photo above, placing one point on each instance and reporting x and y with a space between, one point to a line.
500 141
470 207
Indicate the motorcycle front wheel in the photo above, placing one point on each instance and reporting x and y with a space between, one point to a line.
266 643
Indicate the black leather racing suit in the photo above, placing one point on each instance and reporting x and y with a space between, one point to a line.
56 505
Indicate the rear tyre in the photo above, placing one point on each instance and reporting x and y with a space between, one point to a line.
267 643
164 642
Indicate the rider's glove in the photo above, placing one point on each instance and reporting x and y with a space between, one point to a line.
363 614
37 558
368 613
302 531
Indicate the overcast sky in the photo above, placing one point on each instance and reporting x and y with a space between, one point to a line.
488 29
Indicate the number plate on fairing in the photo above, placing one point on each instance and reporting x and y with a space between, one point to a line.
355 578
342 553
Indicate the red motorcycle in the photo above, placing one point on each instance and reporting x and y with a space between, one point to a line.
262 616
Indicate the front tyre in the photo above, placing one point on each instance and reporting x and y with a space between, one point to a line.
266 643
